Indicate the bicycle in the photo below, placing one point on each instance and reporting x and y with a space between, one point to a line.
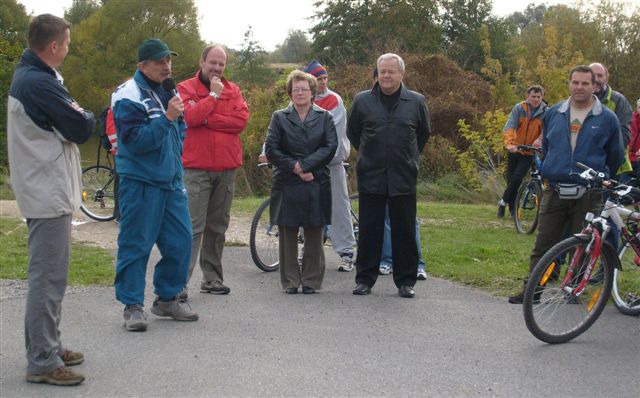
99 189
527 205
263 236
559 307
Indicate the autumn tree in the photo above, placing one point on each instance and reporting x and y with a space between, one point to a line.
295 48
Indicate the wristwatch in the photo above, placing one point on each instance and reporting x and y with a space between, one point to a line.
214 95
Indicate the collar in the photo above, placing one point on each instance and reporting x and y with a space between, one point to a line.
404 92
29 57
566 104
143 81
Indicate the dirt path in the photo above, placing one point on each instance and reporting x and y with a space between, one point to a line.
104 234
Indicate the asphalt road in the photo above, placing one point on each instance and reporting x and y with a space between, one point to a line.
257 342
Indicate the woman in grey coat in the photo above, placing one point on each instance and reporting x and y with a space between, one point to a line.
301 141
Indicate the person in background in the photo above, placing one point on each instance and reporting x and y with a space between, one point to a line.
216 114
44 126
634 144
389 126
341 228
153 200
579 129
301 142
522 128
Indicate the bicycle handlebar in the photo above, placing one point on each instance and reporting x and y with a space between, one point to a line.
529 148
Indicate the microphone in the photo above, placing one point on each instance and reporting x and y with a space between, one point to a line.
170 86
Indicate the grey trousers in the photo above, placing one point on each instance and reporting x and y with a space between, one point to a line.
311 273
341 228
210 195
49 246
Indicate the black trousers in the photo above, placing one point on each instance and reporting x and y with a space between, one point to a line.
517 167
402 216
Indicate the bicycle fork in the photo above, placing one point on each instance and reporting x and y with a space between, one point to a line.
594 250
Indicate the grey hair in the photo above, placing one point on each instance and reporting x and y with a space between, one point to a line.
387 56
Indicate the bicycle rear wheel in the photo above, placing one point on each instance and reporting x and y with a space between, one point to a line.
553 312
263 240
98 193
527 207
626 283
355 214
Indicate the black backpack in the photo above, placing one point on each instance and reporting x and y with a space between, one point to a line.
101 129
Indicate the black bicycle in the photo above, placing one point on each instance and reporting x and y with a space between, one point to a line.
527 206
99 189
263 237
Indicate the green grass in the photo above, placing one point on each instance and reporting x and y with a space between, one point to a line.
468 244
89 265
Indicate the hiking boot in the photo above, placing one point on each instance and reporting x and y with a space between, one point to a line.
385 269
501 208
176 309
517 299
214 287
71 358
135 319
346 264
422 274
63 376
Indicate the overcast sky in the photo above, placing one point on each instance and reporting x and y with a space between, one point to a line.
269 20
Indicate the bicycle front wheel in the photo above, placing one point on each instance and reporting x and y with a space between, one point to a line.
98 193
263 240
555 310
527 207
626 283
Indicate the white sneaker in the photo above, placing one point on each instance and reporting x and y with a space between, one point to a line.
385 269
422 274
346 264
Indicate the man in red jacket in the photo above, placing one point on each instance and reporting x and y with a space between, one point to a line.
216 114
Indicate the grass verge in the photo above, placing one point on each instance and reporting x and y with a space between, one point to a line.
89 265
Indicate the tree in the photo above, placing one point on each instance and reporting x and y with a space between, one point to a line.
461 22
295 48
81 10
13 39
357 31
103 50
250 66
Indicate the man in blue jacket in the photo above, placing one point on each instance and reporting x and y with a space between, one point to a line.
153 199
44 124
579 129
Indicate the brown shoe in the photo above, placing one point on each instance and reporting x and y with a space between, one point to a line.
62 376
72 358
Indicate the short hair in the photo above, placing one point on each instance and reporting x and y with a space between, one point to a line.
206 50
583 69
44 29
300 76
536 88
387 56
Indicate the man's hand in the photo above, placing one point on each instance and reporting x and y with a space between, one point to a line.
297 169
262 158
306 176
175 108
216 85
537 142
77 106
512 148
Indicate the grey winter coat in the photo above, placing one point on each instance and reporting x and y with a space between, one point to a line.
313 143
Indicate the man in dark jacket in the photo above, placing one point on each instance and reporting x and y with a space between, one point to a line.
389 126
44 124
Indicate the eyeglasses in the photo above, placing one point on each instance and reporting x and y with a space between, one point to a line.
299 90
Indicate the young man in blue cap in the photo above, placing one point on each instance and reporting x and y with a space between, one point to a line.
153 199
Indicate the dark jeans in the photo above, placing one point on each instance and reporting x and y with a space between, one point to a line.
517 167
402 215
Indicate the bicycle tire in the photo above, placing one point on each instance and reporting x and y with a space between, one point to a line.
551 313
355 214
527 207
263 240
98 194
626 283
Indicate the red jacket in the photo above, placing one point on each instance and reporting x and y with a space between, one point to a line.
213 126
634 144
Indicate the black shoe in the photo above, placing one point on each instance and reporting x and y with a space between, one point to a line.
361 289
308 290
501 211
214 287
517 299
406 292
291 290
